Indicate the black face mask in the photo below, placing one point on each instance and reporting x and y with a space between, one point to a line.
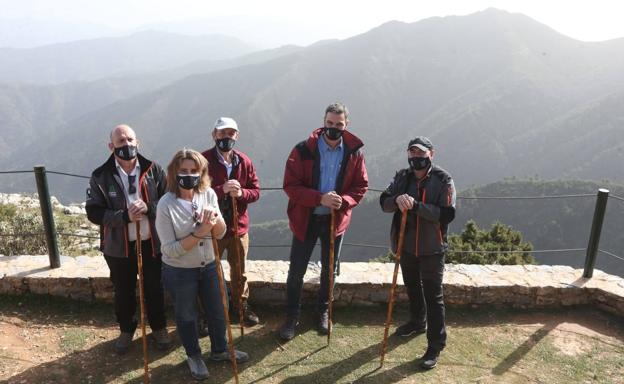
333 133
226 144
419 163
188 181
126 152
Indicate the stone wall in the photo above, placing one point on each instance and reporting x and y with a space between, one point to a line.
530 286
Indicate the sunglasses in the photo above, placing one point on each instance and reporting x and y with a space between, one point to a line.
195 214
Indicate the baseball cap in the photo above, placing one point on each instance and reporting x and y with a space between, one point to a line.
421 142
225 122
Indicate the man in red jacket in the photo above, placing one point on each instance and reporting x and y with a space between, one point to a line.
323 173
233 176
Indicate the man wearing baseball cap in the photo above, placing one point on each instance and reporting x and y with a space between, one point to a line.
233 176
427 193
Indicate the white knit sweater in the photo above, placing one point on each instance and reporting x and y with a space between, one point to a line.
174 222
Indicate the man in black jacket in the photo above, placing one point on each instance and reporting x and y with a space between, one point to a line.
122 192
427 193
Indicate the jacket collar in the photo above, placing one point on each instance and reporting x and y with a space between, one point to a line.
351 142
214 153
144 164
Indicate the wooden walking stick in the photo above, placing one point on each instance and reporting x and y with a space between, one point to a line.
394 281
215 248
332 240
139 255
240 267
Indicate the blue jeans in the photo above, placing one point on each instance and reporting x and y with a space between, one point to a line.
185 285
300 253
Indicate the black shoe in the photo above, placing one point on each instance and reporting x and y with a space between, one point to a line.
429 359
161 337
287 330
410 329
123 342
323 323
250 317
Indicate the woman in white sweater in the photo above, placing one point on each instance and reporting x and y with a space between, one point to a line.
186 218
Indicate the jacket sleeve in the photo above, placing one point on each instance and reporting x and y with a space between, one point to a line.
354 194
169 244
251 189
387 200
298 192
442 212
98 211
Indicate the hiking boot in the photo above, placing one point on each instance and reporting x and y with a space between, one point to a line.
287 330
123 342
161 337
323 323
429 359
198 368
249 317
241 357
410 329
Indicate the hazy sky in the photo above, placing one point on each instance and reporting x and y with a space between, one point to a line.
304 22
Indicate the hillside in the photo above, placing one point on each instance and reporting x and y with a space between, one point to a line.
86 60
495 91
547 223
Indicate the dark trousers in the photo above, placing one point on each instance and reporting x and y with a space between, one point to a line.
123 274
300 253
422 277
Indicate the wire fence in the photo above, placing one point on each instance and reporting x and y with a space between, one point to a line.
615 197
365 245
377 190
611 254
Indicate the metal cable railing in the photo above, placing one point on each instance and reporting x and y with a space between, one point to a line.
611 254
382 190
616 197
41 171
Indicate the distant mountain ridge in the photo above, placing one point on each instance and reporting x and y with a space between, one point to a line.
499 94
87 60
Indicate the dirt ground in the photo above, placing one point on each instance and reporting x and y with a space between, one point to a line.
69 342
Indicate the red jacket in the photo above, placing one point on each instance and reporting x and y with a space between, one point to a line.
242 170
301 179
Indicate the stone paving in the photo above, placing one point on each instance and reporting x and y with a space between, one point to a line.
524 286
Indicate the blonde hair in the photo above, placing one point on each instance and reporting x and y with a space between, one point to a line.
174 167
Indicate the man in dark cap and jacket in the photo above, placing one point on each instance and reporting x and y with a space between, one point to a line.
427 193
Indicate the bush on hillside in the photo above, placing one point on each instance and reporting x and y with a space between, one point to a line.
499 245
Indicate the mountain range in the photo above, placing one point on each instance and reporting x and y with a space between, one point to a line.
499 94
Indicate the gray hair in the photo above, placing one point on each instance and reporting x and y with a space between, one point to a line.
338 109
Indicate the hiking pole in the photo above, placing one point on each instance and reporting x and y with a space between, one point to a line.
332 240
394 281
240 267
139 255
224 301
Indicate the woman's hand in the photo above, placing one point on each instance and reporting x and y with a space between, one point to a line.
208 219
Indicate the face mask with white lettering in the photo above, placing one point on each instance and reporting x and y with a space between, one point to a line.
188 181
126 152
